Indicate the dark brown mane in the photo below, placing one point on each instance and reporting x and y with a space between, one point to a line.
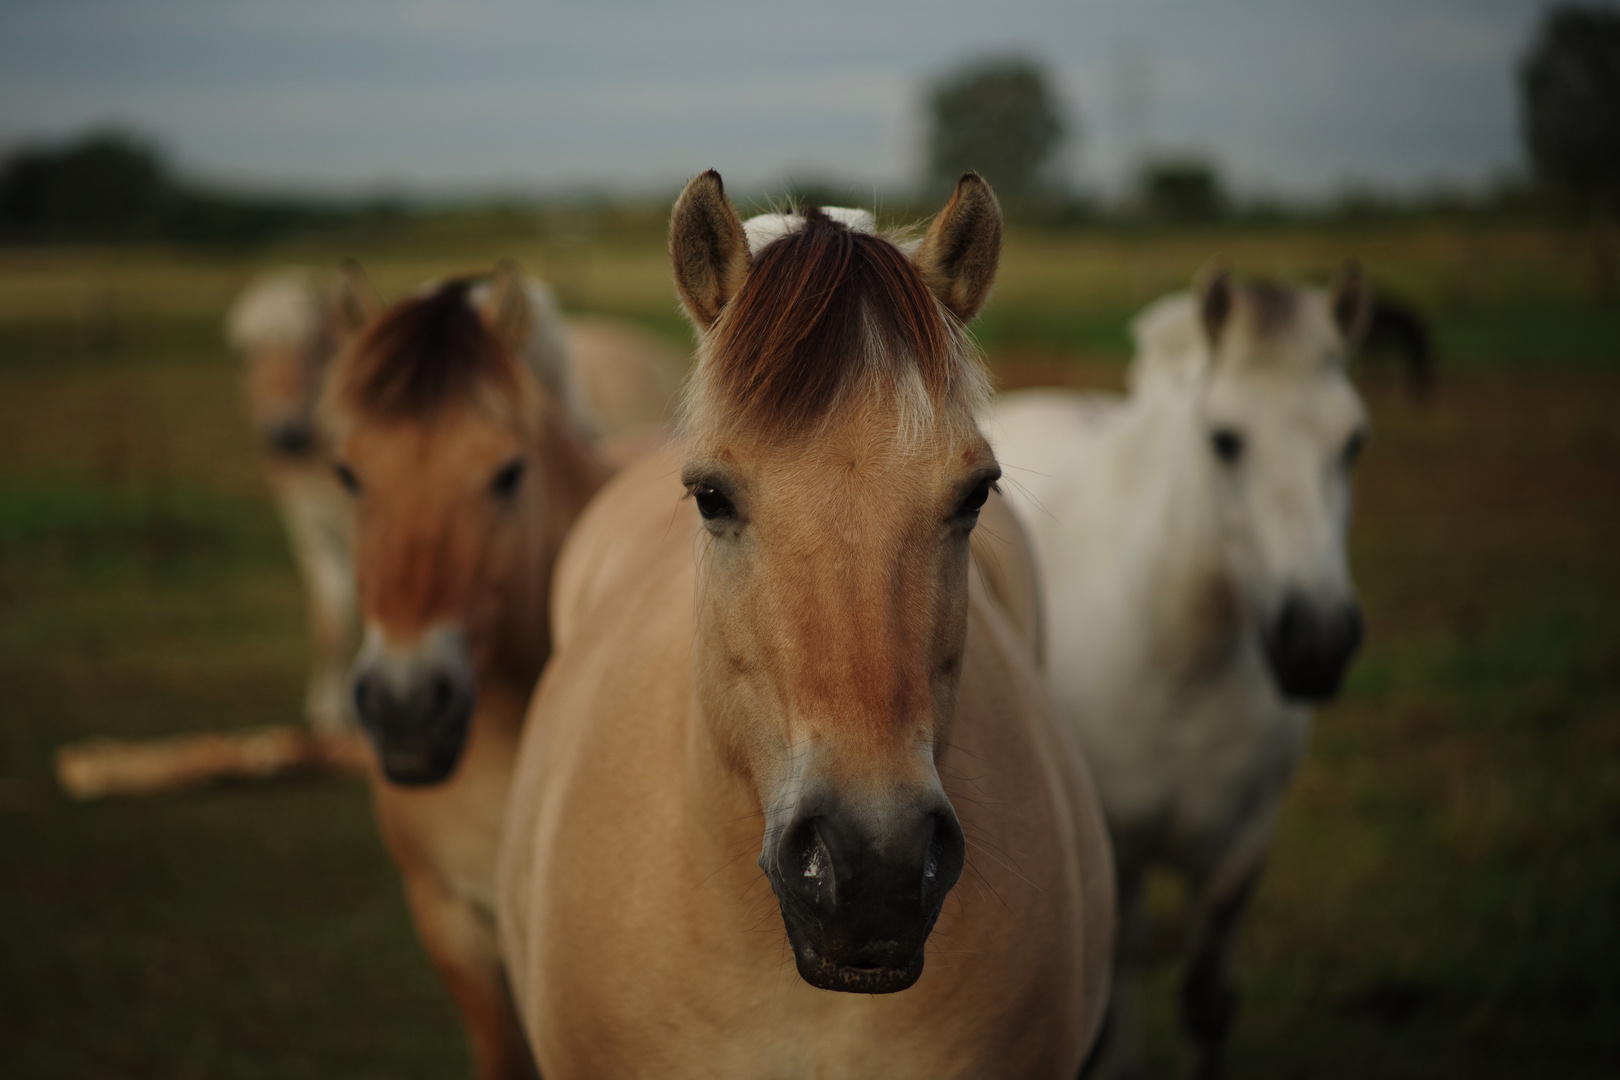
424 352
801 327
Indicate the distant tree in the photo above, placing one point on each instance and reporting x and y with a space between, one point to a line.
1570 86
105 186
999 118
1181 190
109 186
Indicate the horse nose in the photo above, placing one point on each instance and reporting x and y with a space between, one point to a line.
1309 646
863 891
421 705
417 717
291 438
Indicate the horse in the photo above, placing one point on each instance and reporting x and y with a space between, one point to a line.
629 381
782 637
1192 536
286 327
452 429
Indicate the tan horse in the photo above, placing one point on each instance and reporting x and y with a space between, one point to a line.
805 665
628 380
466 469
286 327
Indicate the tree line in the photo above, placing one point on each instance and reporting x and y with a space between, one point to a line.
1000 117
111 186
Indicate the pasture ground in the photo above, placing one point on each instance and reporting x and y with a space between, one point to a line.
1443 897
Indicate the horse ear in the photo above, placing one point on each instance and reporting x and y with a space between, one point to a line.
959 256
354 302
1352 303
505 306
1214 288
708 248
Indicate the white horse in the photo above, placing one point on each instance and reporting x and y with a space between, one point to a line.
1193 540
286 327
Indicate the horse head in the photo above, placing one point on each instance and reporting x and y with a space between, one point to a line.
458 457
1281 427
286 327
831 451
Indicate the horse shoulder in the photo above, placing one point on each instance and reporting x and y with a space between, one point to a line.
630 380
1040 878
633 515
603 722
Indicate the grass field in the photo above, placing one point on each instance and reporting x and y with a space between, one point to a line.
1444 898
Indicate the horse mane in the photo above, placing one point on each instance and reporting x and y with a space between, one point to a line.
826 308
424 352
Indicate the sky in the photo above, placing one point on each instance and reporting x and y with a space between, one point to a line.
1297 98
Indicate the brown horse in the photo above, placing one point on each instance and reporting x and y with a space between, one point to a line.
286 327
466 469
807 666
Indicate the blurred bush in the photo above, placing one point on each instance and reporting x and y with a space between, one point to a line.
1182 191
106 186
111 186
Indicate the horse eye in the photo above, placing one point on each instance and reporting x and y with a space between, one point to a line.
976 499
1353 447
1227 444
346 477
507 479
712 504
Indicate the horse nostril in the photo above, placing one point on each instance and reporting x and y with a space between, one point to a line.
810 852
805 864
817 866
365 696
1291 622
444 695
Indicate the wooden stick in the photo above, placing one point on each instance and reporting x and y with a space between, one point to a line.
99 767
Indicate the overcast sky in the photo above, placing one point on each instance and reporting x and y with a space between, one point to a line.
1291 96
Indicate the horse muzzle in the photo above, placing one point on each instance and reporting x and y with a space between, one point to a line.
860 892
416 704
1309 646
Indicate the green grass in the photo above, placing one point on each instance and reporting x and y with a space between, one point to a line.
1444 892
